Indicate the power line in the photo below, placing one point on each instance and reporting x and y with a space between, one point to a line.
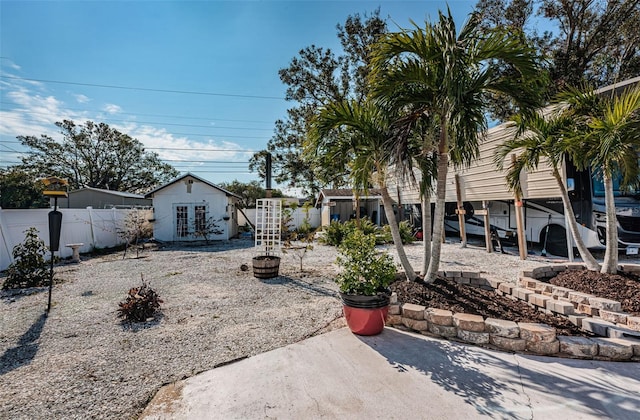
165 148
204 161
187 92
180 163
152 115
224 165
9 148
227 165
214 135
156 123
219 172
202 150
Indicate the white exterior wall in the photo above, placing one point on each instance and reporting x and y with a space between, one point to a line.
95 228
197 193
345 206
297 216
483 181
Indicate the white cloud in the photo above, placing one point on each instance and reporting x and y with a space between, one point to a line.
182 149
9 63
111 108
82 98
35 111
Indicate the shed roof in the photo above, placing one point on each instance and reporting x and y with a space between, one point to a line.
346 193
111 192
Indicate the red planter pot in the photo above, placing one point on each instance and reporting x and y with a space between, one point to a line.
365 321
365 315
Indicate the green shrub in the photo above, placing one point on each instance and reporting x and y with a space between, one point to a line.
369 228
29 268
336 232
305 228
141 304
406 232
365 271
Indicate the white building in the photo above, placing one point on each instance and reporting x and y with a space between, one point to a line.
186 204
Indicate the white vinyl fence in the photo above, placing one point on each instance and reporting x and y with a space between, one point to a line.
297 217
95 228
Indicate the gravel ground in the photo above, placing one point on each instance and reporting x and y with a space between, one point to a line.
81 362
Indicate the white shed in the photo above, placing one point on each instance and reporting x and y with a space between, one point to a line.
190 204
340 205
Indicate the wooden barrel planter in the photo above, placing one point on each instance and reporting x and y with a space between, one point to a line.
266 266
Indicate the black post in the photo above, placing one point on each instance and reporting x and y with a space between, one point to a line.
268 175
55 224
50 283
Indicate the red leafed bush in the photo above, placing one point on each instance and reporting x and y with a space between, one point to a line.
141 304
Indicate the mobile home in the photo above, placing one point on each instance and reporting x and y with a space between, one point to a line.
482 187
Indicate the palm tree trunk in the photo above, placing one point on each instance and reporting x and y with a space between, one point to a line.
357 209
586 256
426 234
395 234
610 264
438 217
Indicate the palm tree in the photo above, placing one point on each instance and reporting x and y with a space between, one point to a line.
413 144
609 127
362 139
539 136
447 76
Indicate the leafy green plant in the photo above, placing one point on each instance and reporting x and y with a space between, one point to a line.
367 226
305 227
141 304
336 232
406 232
286 222
29 268
365 271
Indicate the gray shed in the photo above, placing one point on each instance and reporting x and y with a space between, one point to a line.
102 199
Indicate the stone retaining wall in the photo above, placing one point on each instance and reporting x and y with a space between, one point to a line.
603 317
541 339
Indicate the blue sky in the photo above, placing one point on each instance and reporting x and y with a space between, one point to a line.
223 56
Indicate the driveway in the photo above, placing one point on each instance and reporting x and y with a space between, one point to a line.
402 375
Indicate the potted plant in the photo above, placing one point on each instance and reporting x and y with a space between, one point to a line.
364 283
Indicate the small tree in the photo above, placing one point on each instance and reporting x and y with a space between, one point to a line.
29 268
205 227
299 240
136 227
300 243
